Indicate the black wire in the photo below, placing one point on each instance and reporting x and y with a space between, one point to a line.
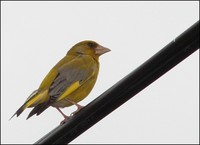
176 51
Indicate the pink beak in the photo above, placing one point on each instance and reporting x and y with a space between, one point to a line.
101 50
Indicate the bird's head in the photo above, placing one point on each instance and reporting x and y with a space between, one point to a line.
88 47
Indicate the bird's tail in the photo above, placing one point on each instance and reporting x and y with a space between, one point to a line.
34 99
19 111
38 109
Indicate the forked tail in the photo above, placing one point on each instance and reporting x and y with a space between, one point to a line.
32 99
19 111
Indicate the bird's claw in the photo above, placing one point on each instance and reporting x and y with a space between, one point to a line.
73 113
79 108
65 120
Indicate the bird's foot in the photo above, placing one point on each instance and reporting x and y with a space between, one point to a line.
65 116
65 120
79 108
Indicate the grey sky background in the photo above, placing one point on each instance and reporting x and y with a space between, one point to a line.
36 35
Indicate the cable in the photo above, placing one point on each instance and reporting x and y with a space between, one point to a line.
168 57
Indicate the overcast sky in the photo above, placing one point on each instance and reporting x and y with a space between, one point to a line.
36 35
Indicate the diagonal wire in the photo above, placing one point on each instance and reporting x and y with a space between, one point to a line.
160 63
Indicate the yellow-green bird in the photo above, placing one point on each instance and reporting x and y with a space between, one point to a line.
69 81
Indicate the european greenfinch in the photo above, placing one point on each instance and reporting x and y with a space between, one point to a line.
68 82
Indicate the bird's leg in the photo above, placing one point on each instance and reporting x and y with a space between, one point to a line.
79 107
65 116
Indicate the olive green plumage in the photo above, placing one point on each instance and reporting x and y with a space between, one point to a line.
69 81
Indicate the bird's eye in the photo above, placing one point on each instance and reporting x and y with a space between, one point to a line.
91 45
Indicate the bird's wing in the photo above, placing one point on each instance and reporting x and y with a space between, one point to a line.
70 77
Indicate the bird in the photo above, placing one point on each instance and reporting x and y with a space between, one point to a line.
68 82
